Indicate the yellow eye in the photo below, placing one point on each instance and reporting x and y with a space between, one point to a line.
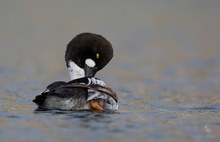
97 55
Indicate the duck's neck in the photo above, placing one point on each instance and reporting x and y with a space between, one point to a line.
75 71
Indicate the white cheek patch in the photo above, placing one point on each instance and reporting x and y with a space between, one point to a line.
90 63
75 71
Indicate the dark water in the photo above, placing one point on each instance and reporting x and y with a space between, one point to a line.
166 69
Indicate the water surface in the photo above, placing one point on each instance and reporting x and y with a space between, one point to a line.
166 69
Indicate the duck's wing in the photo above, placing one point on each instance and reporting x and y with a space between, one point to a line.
54 85
40 99
88 81
63 99
95 87
58 97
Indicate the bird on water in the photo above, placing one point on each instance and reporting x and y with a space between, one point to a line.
85 55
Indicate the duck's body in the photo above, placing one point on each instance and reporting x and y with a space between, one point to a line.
63 99
86 54
79 94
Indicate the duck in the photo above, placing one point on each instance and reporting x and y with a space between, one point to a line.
86 54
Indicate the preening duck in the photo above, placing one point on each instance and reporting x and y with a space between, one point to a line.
85 55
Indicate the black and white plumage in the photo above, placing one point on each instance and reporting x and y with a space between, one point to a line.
59 96
86 54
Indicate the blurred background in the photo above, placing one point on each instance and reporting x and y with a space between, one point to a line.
165 69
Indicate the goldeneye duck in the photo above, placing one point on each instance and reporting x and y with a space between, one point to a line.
86 54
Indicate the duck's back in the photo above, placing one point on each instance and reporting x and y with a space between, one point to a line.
57 97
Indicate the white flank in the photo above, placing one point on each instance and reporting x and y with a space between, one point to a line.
75 71
90 62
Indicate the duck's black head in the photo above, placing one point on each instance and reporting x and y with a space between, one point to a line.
86 54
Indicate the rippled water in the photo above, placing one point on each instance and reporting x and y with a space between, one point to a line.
166 69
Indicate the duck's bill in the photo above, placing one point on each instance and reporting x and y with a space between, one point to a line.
90 71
